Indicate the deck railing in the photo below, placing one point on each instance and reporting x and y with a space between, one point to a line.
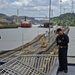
30 65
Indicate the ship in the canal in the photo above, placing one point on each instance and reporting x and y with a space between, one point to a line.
45 23
26 23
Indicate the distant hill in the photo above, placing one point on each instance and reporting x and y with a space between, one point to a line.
68 18
14 17
3 15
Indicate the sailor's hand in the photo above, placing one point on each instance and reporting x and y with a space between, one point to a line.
59 41
58 46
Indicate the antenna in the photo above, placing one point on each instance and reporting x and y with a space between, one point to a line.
72 7
17 14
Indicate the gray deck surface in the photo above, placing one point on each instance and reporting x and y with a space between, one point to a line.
71 70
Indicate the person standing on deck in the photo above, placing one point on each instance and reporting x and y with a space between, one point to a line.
62 43
46 36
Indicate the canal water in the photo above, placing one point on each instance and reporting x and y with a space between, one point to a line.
13 38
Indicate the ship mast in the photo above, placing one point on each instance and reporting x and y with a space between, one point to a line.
17 14
49 18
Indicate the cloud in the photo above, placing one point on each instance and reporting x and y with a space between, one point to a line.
66 2
40 8
38 5
3 4
21 2
17 3
3 1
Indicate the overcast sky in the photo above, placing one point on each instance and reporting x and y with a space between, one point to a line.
40 8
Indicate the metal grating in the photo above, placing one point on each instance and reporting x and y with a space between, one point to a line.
29 65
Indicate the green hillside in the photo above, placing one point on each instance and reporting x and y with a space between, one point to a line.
68 18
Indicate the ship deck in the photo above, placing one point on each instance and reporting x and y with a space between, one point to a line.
71 69
35 65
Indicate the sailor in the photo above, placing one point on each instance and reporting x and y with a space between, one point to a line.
46 36
62 43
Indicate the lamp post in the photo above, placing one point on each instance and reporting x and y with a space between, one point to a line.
17 14
72 7
49 18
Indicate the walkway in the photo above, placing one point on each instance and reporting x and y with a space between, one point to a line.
71 70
